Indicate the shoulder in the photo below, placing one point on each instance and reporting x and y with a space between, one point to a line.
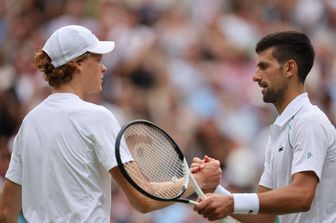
312 114
32 115
79 107
91 112
312 118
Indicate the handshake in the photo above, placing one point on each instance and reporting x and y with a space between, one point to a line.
214 205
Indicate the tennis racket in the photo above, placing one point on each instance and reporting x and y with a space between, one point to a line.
161 171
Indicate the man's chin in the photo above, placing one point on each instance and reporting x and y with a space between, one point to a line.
268 99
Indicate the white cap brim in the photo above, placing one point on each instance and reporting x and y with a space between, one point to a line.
102 47
70 42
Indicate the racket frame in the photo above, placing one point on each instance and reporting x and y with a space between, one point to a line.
177 150
187 172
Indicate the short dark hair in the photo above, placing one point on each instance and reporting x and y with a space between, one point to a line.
290 45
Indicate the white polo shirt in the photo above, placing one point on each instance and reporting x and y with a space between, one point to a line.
303 139
61 157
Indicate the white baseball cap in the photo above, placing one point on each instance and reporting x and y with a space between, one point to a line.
70 42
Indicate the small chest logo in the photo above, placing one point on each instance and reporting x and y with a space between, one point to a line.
281 149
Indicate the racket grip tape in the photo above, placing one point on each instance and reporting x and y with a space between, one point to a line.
200 193
196 187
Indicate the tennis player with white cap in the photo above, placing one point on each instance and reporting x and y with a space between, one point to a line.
63 154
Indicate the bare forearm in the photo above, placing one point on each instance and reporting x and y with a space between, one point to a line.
10 204
280 201
254 218
296 197
285 200
143 203
138 201
8 217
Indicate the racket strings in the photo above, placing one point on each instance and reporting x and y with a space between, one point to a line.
160 170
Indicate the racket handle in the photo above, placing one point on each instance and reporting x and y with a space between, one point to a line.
192 203
200 193
227 219
195 185
223 220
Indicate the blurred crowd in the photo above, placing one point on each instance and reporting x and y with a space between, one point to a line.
186 65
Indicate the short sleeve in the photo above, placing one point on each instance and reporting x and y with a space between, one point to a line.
310 143
105 132
14 172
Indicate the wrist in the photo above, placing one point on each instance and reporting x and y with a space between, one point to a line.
245 203
221 190
199 181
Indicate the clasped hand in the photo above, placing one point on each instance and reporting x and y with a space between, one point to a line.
215 206
207 173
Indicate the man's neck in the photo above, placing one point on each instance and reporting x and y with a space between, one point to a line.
68 88
289 97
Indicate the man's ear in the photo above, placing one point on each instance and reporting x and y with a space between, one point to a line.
77 64
290 68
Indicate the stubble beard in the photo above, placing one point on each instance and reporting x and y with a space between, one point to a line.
274 96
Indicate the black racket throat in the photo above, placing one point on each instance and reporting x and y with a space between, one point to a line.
122 165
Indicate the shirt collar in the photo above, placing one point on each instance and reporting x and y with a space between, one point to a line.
292 108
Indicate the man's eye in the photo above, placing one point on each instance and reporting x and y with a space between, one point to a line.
262 66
